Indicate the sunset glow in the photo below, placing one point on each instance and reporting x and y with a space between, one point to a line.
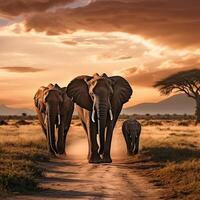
46 42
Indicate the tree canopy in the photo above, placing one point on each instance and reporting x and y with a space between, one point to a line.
185 81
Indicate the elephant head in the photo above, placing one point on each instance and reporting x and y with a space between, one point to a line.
102 96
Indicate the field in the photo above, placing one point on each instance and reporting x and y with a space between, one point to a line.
169 157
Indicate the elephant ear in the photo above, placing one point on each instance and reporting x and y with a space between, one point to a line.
122 91
79 92
38 99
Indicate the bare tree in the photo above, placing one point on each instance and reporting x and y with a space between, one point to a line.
187 82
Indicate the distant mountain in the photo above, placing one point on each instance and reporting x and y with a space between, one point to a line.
178 104
5 110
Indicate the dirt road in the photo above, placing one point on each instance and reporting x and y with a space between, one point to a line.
74 178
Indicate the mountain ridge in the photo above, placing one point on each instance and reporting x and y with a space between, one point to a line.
6 110
177 104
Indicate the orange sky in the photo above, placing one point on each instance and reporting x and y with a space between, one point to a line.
43 41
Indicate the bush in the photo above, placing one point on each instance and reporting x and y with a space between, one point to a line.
151 123
3 122
22 122
184 123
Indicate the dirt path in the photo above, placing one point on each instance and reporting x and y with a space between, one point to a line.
67 180
76 179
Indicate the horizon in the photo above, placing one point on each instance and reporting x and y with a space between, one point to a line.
53 42
165 98
178 104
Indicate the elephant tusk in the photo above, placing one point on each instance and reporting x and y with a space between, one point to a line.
93 114
111 115
58 119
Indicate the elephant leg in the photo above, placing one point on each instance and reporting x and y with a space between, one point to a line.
93 156
50 149
109 134
45 129
107 148
51 141
62 135
85 128
61 140
41 120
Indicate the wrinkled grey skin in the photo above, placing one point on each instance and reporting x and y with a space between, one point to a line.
99 100
66 111
131 130
54 110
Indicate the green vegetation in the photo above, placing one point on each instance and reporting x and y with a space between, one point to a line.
171 156
19 168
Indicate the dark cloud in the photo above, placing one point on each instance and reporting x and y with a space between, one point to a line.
17 7
22 69
70 42
175 23
148 76
125 58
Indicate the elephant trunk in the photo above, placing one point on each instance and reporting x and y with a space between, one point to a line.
102 108
51 122
133 143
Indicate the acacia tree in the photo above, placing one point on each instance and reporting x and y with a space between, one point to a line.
187 82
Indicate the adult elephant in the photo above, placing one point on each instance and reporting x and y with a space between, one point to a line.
54 109
99 102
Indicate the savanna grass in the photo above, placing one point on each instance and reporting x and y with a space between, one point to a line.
19 161
175 150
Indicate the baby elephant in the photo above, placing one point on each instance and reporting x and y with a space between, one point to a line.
131 130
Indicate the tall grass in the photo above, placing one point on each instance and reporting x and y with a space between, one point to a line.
21 148
172 158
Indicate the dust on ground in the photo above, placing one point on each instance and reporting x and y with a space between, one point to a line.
72 177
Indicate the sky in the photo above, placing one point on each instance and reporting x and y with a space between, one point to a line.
48 41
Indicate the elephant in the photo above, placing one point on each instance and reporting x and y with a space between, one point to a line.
54 109
99 100
131 131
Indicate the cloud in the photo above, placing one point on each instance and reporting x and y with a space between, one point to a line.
22 69
148 77
71 43
18 7
125 57
175 23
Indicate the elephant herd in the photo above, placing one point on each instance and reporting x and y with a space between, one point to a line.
99 100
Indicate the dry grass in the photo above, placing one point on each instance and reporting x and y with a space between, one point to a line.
170 155
21 148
